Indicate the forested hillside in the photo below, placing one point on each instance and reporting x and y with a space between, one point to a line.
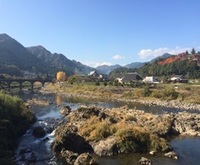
184 64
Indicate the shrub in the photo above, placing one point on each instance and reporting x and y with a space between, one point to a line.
158 144
128 94
15 118
97 83
138 92
157 94
105 83
96 129
170 93
146 92
131 118
187 88
132 140
102 130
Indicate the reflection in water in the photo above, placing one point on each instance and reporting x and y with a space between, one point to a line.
59 100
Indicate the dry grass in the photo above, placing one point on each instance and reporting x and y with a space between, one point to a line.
184 92
134 131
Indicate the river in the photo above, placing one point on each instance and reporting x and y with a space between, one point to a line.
38 151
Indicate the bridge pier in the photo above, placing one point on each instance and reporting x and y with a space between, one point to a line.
20 85
9 85
32 86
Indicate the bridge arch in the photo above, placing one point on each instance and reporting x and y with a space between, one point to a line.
27 84
13 84
38 83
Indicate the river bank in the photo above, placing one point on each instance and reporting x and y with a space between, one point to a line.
119 94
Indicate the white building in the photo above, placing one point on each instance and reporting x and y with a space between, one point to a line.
151 80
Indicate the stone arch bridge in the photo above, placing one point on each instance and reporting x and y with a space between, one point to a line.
7 82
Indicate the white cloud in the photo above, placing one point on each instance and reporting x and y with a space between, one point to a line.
117 57
149 53
94 64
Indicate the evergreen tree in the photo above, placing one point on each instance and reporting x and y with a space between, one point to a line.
193 51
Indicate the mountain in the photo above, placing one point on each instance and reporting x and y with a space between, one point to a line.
134 65
105 69
59 61
164 56
15 57
16 60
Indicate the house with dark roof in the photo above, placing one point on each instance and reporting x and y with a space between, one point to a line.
94 75
178 78
131 77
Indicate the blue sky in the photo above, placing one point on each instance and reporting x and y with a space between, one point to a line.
97 32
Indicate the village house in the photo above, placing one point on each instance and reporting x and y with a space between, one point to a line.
150 80
96 76
129 77
178 78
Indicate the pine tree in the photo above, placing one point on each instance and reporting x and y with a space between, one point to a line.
193 51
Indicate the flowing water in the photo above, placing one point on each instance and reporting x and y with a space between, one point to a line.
38 151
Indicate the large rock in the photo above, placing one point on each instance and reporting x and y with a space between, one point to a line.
187 123
69 156
84 113
65 110
38 132
67 138
85 159
144 161
106 147
171 154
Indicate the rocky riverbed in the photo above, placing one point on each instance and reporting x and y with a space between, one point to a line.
106 132
178 104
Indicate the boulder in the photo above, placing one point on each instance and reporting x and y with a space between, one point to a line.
68 139
65 110
152 152
69 156
187 124
85 159
84 113
144 161
171 154
106 147
38 132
